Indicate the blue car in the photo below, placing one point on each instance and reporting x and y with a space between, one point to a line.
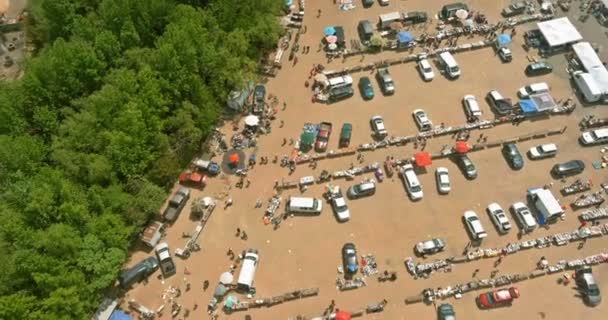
365 86
349 258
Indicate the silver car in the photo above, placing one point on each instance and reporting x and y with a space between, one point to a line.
443 180
365 188
499 218
429 246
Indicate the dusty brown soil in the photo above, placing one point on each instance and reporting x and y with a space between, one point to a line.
305 252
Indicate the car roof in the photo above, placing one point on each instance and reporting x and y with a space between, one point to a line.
548 147
494 206
425 63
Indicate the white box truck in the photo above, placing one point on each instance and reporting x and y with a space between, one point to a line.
547 205
587 87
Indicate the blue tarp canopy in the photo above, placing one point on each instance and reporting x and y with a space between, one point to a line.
503 39
120 315
404 37
288 3
329 31
528 106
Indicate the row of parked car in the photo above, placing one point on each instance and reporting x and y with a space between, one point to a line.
522 214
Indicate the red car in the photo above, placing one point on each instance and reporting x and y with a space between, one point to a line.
498 297
323 136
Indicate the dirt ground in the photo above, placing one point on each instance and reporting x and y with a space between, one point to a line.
305 251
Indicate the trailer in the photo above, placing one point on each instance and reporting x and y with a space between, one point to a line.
152 234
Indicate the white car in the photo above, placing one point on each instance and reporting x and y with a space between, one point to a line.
429 246
377 124
499 218
471 107
426 70
524 217
443 180
411 183
338 203
542 151
474 225
597 136
525 92
422 120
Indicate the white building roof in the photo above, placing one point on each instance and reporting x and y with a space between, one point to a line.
585 53
592 64
559 31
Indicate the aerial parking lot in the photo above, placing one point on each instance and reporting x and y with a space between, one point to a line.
302 243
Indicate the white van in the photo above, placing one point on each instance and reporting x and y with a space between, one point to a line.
304 205
250 263
411 182
449 64
540 87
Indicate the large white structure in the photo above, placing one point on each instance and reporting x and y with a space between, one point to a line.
559 32
596 76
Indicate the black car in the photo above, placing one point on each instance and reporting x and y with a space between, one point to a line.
138 272
512 155
538 68
349 258
414 17
468 168
568 168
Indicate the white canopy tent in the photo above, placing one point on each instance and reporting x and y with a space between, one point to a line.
592 64
559 32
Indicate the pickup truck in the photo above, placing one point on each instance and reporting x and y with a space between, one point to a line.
176 204
323 136
514 9
386 81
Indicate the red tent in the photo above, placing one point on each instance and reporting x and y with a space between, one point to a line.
423 159
233 158
461 147
342 315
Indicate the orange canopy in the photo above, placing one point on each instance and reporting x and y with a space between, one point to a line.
423 159
461 147
234 158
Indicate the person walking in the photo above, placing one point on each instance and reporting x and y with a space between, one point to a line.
319 13
238 232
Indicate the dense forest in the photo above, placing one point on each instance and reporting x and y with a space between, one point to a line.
116 98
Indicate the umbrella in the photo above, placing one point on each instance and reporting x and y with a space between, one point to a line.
234 158
226 278
342 315
252 120
220 291
331 39
207 201
503 39
231 301
423 159
332 46
329 31
462 14
461 147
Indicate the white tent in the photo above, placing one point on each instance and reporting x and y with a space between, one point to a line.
592 64
559 32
